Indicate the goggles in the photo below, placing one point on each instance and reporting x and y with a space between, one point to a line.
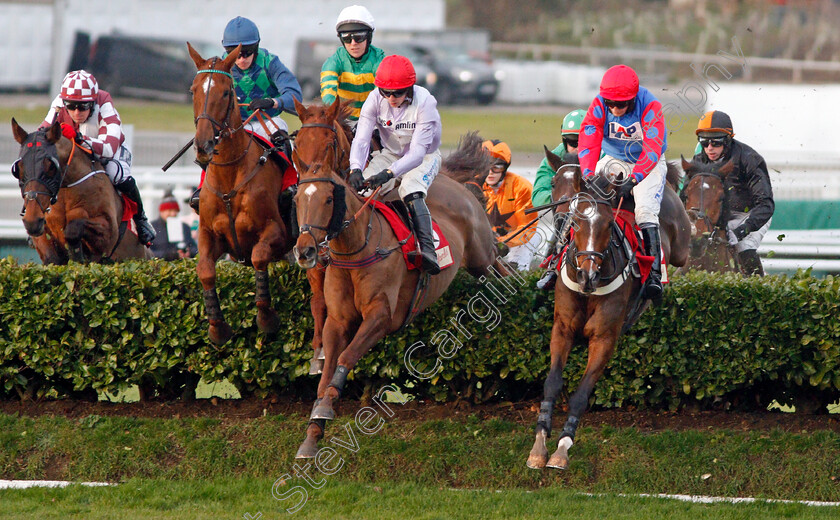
611 103
358 37
705 142
396 93
78 105
244 52
571 141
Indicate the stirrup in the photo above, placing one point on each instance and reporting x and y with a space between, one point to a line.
194 199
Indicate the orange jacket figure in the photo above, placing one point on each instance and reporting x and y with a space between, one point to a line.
506 205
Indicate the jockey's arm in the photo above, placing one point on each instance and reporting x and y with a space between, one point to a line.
591 135
542 184
360 148
287 85
653 127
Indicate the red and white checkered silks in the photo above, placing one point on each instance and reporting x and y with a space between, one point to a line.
102 130
79 86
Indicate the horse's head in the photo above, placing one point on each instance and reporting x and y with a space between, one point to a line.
214 102
592 218
704 196
320 208
324 135
39 173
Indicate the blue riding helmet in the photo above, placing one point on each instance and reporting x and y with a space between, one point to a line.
240 30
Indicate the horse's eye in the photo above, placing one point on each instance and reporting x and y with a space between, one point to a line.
329 200
553 182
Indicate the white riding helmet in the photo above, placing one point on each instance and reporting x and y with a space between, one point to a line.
354 18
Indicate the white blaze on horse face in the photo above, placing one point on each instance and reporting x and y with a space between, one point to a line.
705 186
310 190
208 84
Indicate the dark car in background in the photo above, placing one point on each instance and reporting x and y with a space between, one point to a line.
133 66
456 76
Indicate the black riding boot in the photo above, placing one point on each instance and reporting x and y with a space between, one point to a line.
145 231
750 263
653 288
422 220
194 199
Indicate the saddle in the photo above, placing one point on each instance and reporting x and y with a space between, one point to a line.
396 214
280 157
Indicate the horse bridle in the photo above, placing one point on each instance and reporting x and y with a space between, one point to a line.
592 255
334 144
223 129
337 222
49 150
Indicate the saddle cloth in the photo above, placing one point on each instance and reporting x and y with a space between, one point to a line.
290 174
406 237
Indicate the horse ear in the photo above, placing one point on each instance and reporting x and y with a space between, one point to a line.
577 182
54 132
196 57
332 111
19 133
231 57
300 108
726 169
553 159
686 166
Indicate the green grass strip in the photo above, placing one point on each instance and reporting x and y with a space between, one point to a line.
468 453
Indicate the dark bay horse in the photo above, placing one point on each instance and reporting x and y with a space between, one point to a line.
70 208
598 298
703 194
371 294
242 212
324 136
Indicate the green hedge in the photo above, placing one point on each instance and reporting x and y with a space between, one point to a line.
717 340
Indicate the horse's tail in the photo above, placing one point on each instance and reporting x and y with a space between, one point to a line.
468 164
673 176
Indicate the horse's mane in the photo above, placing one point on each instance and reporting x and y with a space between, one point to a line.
673 176
469 165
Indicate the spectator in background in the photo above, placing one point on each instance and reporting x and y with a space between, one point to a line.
174 238
508 196
349 73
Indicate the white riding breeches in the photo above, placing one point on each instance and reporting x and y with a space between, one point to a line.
412 181
274 124
647 194
119 168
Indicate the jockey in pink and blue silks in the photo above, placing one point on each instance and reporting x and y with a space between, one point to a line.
625 121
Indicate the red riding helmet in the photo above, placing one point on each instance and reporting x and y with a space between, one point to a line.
620 83
79 85
395 72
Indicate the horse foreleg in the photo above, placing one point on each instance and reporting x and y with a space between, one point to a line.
600 352
375 323
220 332
267 320
318 305
335 339
561 344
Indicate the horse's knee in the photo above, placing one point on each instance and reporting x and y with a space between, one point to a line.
74 231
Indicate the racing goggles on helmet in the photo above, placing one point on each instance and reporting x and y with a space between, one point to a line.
571 140
611 103
712 141
396 93
245 51
356 36
78 105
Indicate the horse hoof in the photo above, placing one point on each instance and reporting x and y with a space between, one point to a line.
560 458
308 449
220 334
316 366
323 411
267 321
539 453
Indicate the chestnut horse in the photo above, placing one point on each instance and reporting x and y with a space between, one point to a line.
242 210
371 294
704 202
603 302
324 136
70 208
